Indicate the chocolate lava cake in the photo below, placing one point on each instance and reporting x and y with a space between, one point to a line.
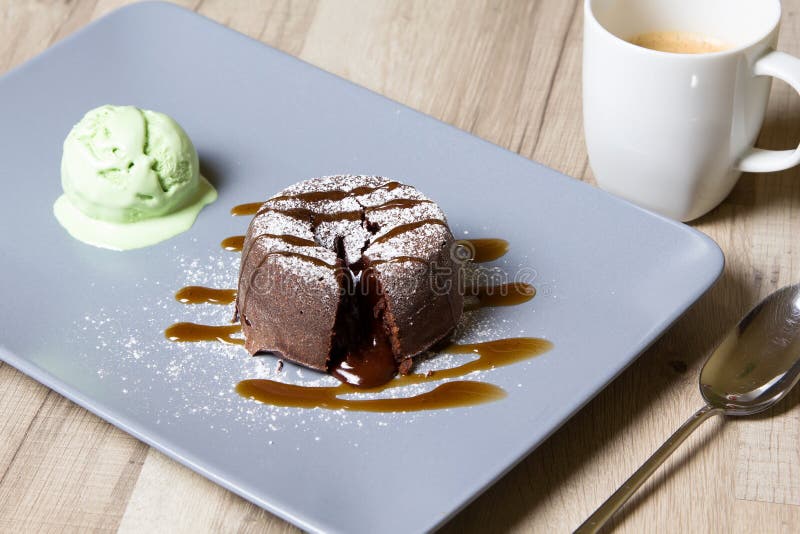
353 275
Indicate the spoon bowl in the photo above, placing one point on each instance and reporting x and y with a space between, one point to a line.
758 362
754 367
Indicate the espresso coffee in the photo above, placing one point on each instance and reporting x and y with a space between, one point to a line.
679 42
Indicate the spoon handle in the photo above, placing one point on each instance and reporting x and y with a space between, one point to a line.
621 496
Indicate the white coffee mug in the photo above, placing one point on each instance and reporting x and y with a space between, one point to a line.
672 132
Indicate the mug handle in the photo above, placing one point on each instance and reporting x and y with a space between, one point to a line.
787 68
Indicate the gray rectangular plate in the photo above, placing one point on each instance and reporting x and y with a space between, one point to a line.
89 323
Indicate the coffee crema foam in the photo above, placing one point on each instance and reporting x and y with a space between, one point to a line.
679 42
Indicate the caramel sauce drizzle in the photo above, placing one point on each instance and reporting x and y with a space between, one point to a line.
481 250
484 250
491 354
205 295
330 195
254 208
403 228
251 208
456 393
399 203
193 332
234 243
354 215
337 194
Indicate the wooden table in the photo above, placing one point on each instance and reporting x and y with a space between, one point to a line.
507 71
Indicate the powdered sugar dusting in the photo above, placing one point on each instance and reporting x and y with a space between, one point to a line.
273 217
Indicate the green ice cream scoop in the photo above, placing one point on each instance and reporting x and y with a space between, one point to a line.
130 177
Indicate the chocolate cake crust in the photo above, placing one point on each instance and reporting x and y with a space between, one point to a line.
308 251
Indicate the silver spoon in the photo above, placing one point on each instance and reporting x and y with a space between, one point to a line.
754 367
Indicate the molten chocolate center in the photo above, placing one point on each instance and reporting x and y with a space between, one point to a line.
362 351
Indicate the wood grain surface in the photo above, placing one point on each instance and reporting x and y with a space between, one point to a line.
509 72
